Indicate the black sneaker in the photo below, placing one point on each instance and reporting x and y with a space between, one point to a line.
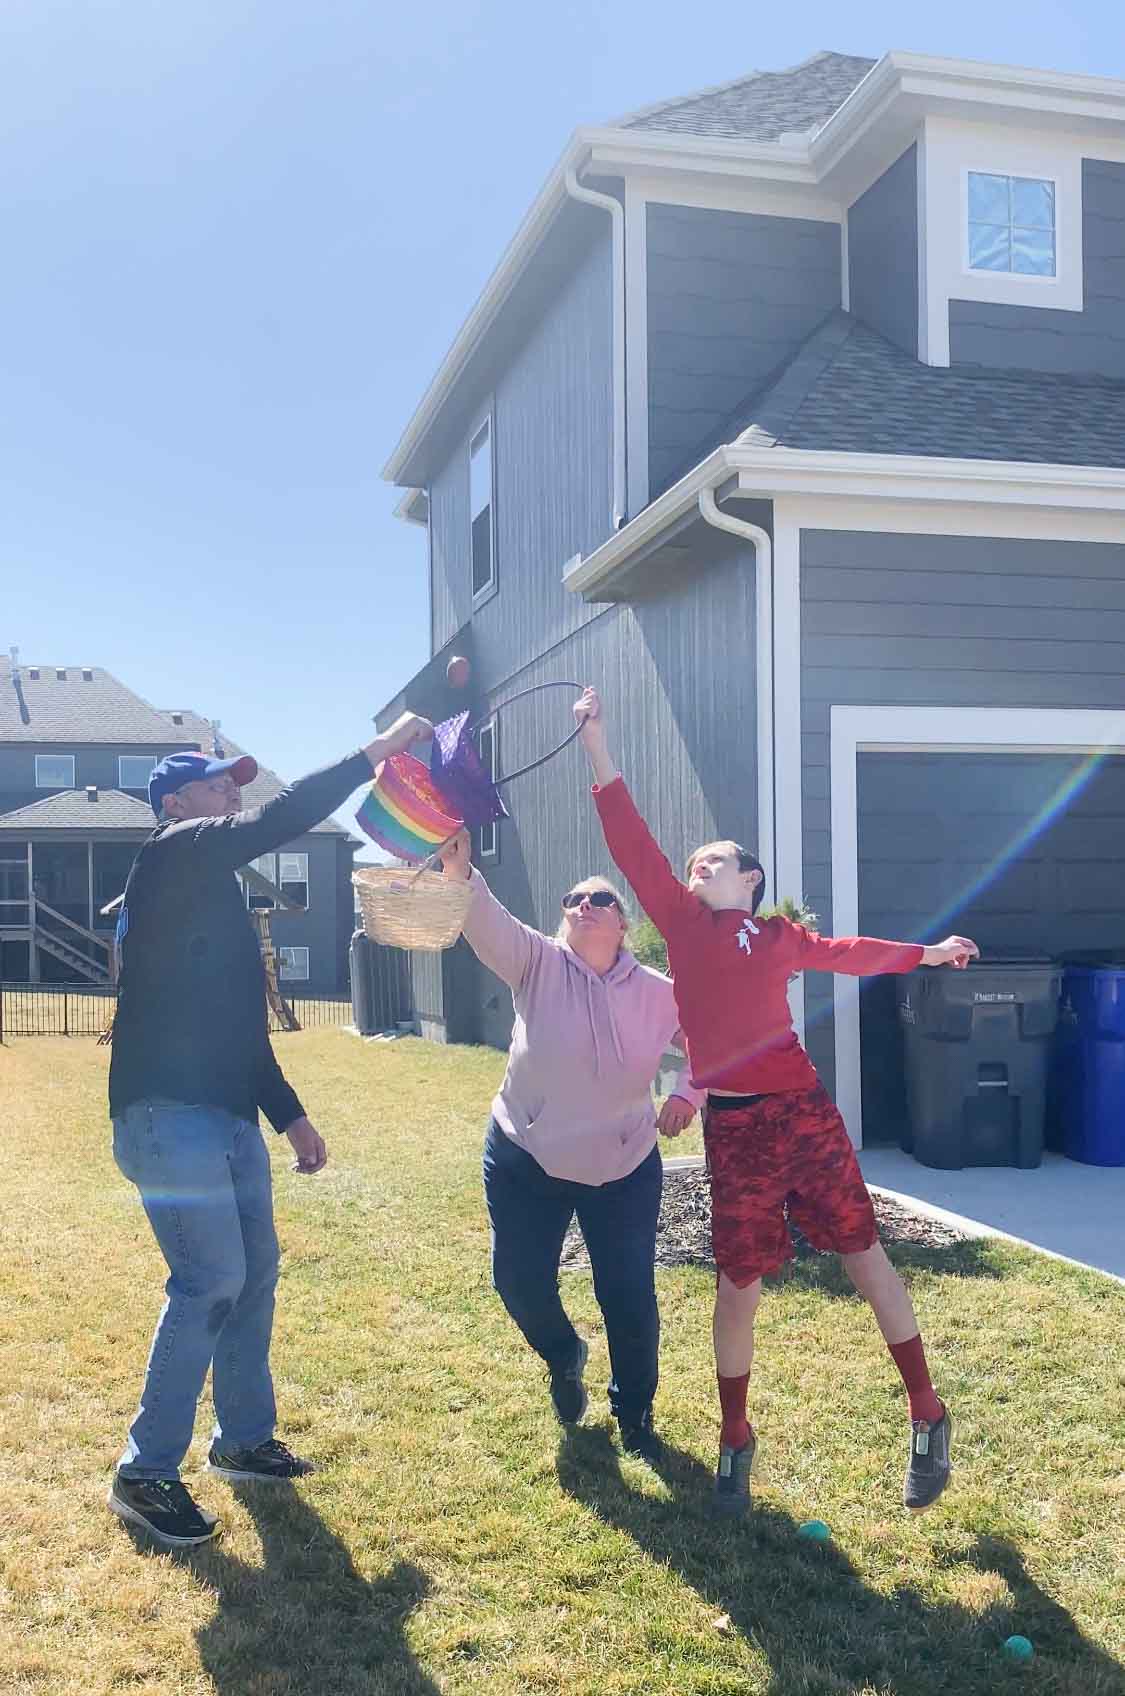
270 1460
163 1508
927 1471
641 1440
732 1479
568 1392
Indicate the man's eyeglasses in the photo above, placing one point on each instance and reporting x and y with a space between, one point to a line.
596 898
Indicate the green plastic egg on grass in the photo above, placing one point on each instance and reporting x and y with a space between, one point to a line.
1018 1648
814 1531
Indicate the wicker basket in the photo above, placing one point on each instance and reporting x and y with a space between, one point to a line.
408 909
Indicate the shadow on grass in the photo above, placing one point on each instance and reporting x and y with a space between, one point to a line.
305 1622
807 1609
967 1258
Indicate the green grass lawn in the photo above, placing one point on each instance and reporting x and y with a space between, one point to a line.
452 1542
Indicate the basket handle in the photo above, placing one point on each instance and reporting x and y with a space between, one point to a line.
532 765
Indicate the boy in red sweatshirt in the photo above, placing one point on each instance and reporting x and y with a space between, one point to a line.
773 1137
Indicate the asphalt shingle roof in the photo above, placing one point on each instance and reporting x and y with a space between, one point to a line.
76 709
265 786
69 809
849 390
763 105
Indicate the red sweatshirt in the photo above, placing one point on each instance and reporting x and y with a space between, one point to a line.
731 972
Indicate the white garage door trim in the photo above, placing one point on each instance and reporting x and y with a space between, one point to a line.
911 730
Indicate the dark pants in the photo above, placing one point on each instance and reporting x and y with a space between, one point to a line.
530 1212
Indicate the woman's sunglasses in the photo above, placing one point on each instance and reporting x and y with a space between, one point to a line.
596 898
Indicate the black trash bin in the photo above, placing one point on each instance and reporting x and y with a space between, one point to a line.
363 999
977 1045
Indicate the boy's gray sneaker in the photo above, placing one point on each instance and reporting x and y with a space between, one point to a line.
163 1508
270 1460
732 1479
568 1392
927 1471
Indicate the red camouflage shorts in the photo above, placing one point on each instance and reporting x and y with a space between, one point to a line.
790 1150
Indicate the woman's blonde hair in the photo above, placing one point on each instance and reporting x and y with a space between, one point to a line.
597 883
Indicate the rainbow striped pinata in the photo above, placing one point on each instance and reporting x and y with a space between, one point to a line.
404 812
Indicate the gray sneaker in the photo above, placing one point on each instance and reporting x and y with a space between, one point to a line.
927 1471
568 1392
732 1479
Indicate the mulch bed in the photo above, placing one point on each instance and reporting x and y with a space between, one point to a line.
683 1233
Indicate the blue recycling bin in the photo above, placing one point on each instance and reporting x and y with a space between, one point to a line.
1088 1085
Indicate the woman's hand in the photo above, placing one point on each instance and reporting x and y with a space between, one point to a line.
675 1116
407 729
456 857
955 951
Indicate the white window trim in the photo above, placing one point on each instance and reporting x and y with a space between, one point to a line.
121 783
281 880
285 948
856 730
39 784
486 416
1056 279
490 853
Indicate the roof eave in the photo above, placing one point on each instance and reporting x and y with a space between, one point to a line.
763 473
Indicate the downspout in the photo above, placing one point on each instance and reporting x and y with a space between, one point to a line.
763 604
592 197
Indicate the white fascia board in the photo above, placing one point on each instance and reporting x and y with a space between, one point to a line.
770 473
614 152
414 507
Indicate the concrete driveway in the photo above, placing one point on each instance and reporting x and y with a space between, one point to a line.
1077 1212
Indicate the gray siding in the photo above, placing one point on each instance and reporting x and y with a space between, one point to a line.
552 472
731 297
323 929
942 620
92 765
883 254
677 672
1035 338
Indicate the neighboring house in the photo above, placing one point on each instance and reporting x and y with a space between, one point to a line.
794 418
76 751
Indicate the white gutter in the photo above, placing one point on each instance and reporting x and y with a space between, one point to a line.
592 197
763 618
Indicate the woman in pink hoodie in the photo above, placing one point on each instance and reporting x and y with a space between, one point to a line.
574 1131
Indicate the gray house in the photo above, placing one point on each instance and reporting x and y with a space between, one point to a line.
76 750
794 418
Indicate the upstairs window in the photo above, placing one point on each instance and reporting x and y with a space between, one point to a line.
54 771
260 902
483 538
1012 224
134 770
294 877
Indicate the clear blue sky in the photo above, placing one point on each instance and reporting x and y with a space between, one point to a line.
238 237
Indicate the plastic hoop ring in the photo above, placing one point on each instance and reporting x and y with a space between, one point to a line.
532 765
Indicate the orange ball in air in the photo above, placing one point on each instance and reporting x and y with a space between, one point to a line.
457 671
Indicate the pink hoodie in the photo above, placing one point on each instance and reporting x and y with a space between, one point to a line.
577 1094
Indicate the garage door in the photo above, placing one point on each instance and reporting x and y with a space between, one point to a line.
1023 852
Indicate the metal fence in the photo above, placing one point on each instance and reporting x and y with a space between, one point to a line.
49 1009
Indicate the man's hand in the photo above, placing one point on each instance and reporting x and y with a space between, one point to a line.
592 734
955 951
308 1146
456 857
675 1116
407 729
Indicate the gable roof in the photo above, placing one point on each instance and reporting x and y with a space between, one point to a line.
265 786
78 708
762 105
849 390
70 809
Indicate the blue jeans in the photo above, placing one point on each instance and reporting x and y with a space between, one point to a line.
530 1212
204 1181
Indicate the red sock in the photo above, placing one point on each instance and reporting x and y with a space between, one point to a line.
732 1398
910 1358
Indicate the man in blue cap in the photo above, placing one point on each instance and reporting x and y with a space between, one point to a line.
192 1066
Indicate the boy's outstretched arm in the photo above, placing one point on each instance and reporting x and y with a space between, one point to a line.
628 837
869 956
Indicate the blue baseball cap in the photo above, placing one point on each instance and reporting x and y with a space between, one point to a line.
177 769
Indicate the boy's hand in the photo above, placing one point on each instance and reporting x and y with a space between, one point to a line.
591 718
456 859
955 951
675 1116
